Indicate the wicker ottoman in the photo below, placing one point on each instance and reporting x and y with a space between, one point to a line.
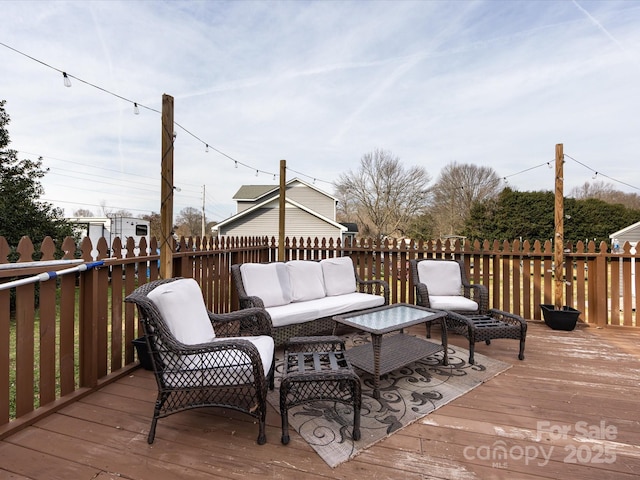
479 328
316 368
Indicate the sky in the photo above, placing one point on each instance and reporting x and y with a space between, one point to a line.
318 84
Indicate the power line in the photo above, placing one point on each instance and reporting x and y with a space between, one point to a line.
137 106
596 173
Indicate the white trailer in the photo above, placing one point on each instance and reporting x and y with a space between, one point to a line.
110 228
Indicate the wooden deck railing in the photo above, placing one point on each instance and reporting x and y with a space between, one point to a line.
63 338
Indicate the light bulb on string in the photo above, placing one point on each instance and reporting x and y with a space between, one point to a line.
549 165
66 79
595 175
136 110
256 173
206 148
236 164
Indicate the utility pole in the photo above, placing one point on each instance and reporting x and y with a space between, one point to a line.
281 224
203 198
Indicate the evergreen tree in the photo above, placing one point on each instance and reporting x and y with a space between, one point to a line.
22 212
530 216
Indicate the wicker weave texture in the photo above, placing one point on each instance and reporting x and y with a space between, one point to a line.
476 292
319 326
484 328
225 373
316 368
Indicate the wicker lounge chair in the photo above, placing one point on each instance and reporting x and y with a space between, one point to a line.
201 359
442 284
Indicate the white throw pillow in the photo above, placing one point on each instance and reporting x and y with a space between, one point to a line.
339 276
442 277
181 305
269 281
306 280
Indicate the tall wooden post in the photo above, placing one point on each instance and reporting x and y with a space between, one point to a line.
203 210
166 189
281 223
558 250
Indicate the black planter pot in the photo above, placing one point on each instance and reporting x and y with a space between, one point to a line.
564 319
143 353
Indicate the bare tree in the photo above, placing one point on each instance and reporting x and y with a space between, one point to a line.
154 223
382 197
606 192
189 222
83 212
457 188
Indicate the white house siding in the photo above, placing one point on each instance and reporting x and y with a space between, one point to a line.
631 235
264 221
312 199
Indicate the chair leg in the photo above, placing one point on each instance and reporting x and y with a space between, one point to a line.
284 388
356 393
262 436
521 354
472 346
152 430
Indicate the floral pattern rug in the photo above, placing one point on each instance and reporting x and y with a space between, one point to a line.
406 395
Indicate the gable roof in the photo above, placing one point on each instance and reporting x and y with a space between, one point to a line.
631 229
254 193
258 206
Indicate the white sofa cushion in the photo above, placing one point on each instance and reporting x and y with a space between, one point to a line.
306 280
221 368
442 277
322 307
452 302
182 307
269 281
339 276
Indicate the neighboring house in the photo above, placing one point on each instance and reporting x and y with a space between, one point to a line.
309 212
629 234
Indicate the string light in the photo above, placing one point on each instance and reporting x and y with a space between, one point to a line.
594 175
136 110
206 148
66 79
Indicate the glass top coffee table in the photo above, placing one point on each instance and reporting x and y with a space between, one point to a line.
385 354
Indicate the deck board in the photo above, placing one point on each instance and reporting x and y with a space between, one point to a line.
589 375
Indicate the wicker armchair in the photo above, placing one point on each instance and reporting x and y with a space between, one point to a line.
231 370
443 285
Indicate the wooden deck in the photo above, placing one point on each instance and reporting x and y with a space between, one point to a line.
585 382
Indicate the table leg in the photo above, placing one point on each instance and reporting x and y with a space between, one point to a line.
376 342
445 341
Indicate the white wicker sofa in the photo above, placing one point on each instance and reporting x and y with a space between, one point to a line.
302 296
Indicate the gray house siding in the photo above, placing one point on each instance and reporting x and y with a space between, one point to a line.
264 221
312 199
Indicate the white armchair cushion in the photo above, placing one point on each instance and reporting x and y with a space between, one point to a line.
339 276
269 281
452 302
441 277
221 368
306 280
182 307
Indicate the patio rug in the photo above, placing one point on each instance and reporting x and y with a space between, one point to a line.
407 395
